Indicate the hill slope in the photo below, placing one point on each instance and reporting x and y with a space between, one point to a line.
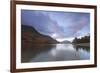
30 36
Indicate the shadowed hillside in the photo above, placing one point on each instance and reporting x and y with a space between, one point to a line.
30 36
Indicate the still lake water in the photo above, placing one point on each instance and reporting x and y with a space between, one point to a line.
56 52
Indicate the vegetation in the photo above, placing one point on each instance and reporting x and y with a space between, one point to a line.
85 39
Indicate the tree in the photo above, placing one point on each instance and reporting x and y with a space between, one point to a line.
85 39
75 40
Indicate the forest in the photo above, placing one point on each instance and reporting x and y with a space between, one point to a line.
85 39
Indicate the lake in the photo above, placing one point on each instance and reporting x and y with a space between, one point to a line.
55 52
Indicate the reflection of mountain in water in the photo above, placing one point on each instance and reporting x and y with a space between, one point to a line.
32 42
62 52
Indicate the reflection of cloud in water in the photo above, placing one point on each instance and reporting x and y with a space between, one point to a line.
60 53
65 47
62 49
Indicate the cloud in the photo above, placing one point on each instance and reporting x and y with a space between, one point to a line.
57 24
42 22
77 26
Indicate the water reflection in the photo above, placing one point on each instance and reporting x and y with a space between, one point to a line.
56 52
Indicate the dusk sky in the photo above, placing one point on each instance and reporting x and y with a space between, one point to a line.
59 25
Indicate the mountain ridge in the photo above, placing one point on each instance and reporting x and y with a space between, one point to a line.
30 36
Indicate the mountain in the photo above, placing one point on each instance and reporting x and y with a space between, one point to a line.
33 43
31 36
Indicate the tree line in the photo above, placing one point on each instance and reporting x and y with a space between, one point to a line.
85 39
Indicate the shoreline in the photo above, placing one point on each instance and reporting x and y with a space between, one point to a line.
82 44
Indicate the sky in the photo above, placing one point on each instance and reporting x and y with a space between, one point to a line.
58 25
